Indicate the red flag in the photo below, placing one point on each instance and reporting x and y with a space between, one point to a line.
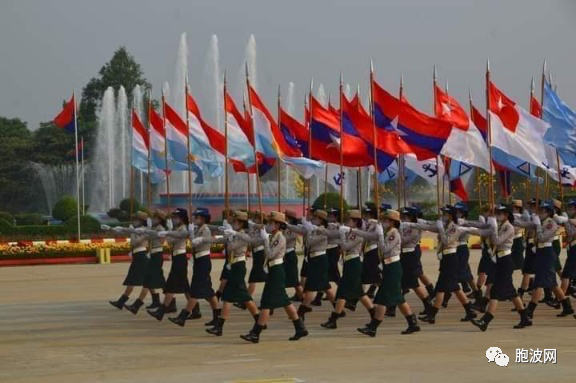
66 119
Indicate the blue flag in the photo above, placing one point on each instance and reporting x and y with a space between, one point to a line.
562 120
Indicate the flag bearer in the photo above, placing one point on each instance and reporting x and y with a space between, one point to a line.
529 267
449 233
390 290
557 246
290 258
466 278
350 286
274 294
371 274
177 282
569 222
317 279
545 277
139 251
201 284
154 278
502 241
333 251
257 274
235 290
303 229
225 272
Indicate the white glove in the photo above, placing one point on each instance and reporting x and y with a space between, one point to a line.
226 225
462 221
493 258
381 266
130 226
105 227
304 221
421 220
492 223
141 230
191 227
251 224
169 224
560 219
117 229
197 241
162 234
373 221
481 219
149 222
263 234
379 230
229 232
265 268
439 256
536 220
344 229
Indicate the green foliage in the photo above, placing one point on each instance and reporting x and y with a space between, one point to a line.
40 232
125 205
19 189
52 145
88 224
329 201
28 219
65 208
122 69
6 227
7 217
119 214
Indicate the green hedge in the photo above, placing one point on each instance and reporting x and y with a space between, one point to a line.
332 201
88 224
65 208
6 217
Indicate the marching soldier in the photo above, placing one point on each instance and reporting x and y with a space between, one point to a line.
177 282
529 266
317 279
235 290
569 222
290 258
201 284
502 289
274 294
518 246
139 251
449 233
303 229
371 275
545 276
350 286
154 278
257 274
390 290
466 278
225 272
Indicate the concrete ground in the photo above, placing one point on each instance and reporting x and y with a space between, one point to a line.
57 326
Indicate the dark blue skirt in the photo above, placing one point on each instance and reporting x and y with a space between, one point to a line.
518 253
177 282
529 266
545 276
464 273
201 285
503 287
333 259
137 270
448 278
410 274
569 271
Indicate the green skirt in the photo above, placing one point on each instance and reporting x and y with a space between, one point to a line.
350 286
235 290
274 293
317 279
291 269
390 290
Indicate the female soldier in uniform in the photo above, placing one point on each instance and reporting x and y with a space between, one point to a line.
518 246
371 274
139 251
303 229
350 286
569 223
290 258
317 279
333 250
529 266
502 289
201 284
177 282
226 214
235 290
465 278
390 290
154 278
274 294
257 274
545 276
448 233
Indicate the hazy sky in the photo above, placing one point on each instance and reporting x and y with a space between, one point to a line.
49 47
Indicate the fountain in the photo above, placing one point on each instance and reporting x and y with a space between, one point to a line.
56 180
122 137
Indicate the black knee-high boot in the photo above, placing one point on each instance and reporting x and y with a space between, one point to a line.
217 329
215 314
300 329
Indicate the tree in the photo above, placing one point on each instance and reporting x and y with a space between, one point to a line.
18 184
123 70
65 208
332 201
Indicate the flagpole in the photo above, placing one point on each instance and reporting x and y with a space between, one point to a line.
434 83
449 159
166 152
131 170
248 202
341 152
401 165
305 181
326 168
83 178
226 174
489 133
478 170
258 182
278 173
149 182
374 142
309 181
77 163
359 173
